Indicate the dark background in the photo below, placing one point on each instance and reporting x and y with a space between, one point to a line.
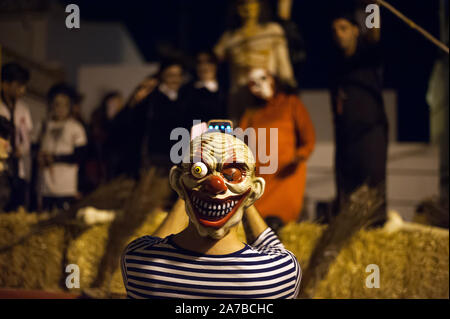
187 26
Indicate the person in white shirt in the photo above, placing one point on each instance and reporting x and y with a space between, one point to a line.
14 79
62 148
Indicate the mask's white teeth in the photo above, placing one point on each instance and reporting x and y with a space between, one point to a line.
213 209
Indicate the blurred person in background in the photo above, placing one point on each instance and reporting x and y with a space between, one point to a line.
296 43
14 79
155 117
77 110
126 134
206 97
360 121
278 106
143 89
159 113
77 114
62 148
5 172
102 159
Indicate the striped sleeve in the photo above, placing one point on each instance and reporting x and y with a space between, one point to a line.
267 239
135 244
269 243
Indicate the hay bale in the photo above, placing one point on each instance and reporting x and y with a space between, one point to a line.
300 239
87 250
413 264
34 263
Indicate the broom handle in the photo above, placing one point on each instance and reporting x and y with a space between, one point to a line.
413 25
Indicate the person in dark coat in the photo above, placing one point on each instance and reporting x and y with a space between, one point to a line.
158 114
102 156
360 122
162 111
206 96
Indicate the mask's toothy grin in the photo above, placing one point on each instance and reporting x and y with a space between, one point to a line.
214 212
208 209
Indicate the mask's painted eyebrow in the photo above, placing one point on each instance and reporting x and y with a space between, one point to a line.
240 165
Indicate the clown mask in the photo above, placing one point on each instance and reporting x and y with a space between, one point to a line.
218 183
261 84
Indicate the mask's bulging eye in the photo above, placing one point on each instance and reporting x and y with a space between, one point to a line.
199 170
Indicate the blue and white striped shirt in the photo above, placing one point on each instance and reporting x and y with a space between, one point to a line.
154 267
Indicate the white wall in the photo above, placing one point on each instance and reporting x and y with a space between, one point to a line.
44 38
96 80
26 35
93 43
318 104
412 176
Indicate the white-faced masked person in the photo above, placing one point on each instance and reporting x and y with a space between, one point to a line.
281 109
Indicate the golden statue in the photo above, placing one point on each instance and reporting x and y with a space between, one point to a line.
253 43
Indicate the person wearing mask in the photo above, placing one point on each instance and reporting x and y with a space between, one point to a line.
196 251
279 107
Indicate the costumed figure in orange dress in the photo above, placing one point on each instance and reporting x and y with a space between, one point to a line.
280 109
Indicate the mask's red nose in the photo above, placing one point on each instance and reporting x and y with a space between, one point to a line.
215 185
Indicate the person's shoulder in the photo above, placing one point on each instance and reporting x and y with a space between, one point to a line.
187 88
75 124
273 253
227 35
22 109
369 50
22 105
295 100
287 100
144 241
274 27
